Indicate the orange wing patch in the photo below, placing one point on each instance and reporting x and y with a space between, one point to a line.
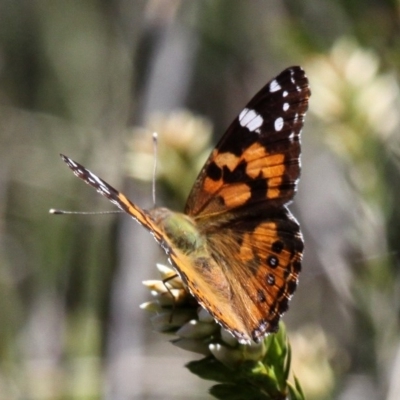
253 167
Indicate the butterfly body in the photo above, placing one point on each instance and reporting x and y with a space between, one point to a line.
180 229
237 247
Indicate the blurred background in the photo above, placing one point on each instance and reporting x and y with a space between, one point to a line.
92 79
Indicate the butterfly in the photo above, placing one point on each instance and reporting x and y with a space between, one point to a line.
237 247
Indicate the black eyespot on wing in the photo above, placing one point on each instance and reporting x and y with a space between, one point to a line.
277 246
272 261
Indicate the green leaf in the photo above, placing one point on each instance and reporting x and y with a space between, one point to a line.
238 392
288 363
211 369
265 379
299 389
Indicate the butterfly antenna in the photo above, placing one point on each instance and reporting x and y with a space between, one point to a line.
155 150
55 211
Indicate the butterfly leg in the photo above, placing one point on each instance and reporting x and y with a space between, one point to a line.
164 281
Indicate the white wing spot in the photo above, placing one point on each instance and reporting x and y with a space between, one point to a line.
278 124
104 189
285 93
250 120
94 178
242 115
101 187
285 106
291 136
274 86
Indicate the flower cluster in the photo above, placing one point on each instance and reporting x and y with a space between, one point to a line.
175 311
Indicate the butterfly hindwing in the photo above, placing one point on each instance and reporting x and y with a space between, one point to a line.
260 253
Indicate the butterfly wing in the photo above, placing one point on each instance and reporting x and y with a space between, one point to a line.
260 255
116 197
200 274
257 159
238 203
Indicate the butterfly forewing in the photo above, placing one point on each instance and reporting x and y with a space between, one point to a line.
116 197
257 159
